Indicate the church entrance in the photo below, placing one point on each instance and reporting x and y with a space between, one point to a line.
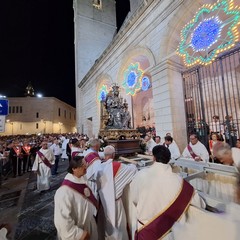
212 98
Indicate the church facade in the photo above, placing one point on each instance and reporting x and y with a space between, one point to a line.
150 58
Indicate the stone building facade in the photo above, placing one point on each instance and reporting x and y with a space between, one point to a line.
148 39
32 115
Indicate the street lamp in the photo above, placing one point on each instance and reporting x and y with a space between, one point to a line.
39 95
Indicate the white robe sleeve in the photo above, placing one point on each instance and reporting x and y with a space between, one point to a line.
35 164
186 153
63 220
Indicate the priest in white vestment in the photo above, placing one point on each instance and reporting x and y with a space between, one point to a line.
42 166
150 144
154 189
93 159
195 150
173 147
64 148
227 155
113 178
74 210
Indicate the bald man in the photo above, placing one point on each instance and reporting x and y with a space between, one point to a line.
113 178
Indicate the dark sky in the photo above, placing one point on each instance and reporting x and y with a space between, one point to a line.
37 45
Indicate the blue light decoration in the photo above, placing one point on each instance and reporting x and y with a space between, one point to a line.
145 83
102 94
213 30
132 79
206 34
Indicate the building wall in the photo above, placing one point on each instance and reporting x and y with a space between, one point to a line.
94 31
150 37
39 115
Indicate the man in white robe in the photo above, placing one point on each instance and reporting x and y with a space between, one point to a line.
113 178
93 159
76 150
195 150
173 147
74 209
154 190
227 155
64 148
42 166
150 144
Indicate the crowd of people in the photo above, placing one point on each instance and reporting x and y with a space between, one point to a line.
195 149
90 205
18 153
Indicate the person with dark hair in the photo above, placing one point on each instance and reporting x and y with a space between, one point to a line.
195 150
173 147
169 198
158 140
76 149
75 205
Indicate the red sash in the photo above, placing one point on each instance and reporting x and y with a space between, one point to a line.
91 157
191 151
44 159
17 151
116 166
163 223
26 149
83 189
210 144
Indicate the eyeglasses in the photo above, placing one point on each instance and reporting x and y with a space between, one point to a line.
192 138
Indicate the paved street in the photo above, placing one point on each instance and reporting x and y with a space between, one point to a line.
29 212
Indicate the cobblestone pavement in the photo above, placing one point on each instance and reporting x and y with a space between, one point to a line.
29 212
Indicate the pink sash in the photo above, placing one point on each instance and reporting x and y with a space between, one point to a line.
76 153
91 157
83 189
163 223
191 151
44 159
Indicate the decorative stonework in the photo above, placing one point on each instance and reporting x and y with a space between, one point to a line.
212 30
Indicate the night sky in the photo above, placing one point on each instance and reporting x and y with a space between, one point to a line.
37 45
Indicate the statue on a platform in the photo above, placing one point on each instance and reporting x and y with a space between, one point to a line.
118 115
